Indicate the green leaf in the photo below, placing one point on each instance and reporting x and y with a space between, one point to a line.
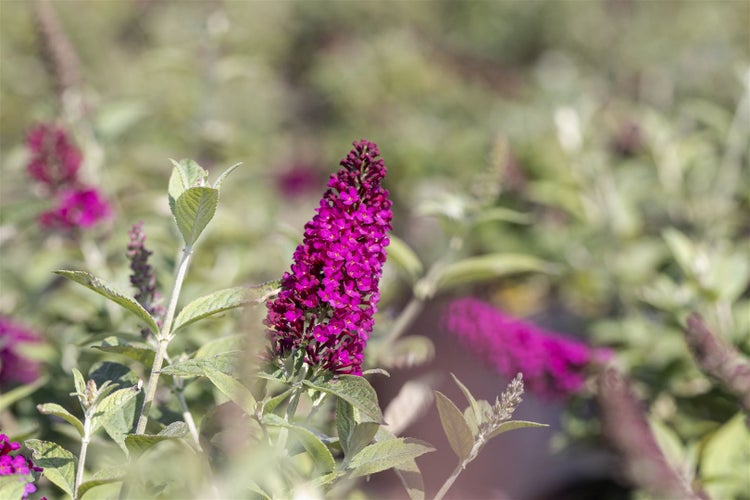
79 381
408 471
58 463
185 174
112 293
455 427
355 390
138 444
221 345
112 404
384 455
193 210
59 411
106 476
669 442
271 404
487 267
406 259
220 180
361 436
21 392
318 451
511 425
724 459
682 249
216 303
500 214
13 487
345 423
142 354
478 417
232 388
405 352
224 363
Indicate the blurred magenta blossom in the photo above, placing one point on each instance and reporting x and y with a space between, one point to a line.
76 208
297 180
16 464
55 160
327 301
552 365
13 366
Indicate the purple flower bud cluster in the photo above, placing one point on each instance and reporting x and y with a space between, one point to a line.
552 365
54 164
18 464
142 275
14 367
327 301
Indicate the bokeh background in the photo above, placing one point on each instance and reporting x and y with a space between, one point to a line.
606 122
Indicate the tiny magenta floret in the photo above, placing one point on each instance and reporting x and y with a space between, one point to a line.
328 299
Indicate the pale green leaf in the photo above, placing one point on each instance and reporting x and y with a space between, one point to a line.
478 417
384 455
407 471
455 427
221 345
500 214
100 478
682 249
185 174
318 451
111 405
669 442
511 425
361 436
111 292
406 259
224 363
725 458
13 487
143 354
487 267
59 411
345 423
193 210
21 392
138 444
220 180
232 388
355 390
272 403
217 302
58 463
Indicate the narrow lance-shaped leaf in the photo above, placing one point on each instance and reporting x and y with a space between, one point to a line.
232 388
384 455
455 427
100 478
218 302
355 390
220 180
137 444
345 423
486 267
193 210
224 363
470 398
407 471
512 425
142 354
58 463
111 292
59 411
317 450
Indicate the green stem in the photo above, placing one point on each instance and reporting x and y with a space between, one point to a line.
164 336
478 444
187 416
82 456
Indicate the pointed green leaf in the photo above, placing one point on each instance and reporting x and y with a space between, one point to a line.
59 411
111 292
224 363
220 180
13 487
361 436
317 450
216 303
106 476
384 455
407 471
487 267
221 345
144 354
79 381
345 423
185 174
21 392
193 210
137 444
111 405
58 463
355 390
232 388
406 259
512 425
455 427
724 459
470 399
272 403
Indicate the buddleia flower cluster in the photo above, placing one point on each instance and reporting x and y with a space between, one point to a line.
55 163
14 366
12 465
328 299
553 365
142 275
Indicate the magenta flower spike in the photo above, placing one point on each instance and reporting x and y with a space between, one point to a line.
55 160
13 366
16 464
77 208
552 365
328 299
